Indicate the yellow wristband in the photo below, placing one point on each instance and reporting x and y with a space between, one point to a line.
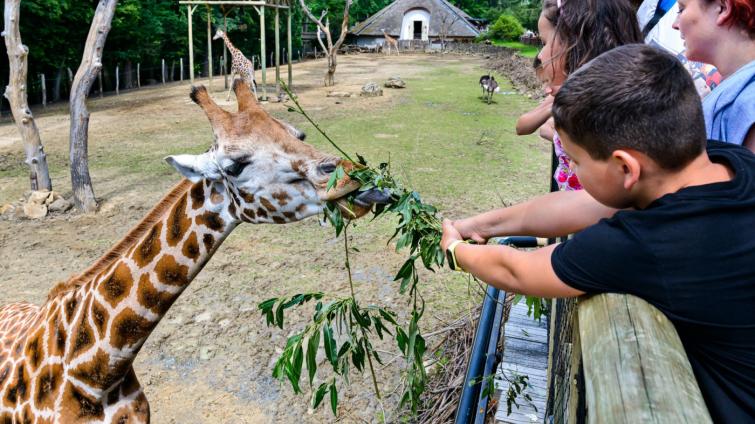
451 256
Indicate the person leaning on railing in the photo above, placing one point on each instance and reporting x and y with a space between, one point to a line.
682 238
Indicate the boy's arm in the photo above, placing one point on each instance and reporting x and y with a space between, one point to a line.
532 120
554 214
511 270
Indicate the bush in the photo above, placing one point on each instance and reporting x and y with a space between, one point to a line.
506 28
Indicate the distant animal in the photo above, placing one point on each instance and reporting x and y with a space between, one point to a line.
390 42
489 86
240 65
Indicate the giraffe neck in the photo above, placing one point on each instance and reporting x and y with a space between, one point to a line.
228 44
109 318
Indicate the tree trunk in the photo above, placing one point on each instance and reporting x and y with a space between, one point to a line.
330 75
128 75
91 64
16 94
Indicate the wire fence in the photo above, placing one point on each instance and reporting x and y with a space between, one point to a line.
44 89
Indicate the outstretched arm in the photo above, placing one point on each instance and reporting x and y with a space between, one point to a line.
532 120
514 271
554 214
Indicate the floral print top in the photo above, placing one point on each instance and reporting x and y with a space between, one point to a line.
564 176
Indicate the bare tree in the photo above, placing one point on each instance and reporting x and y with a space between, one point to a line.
15 92
446 22
91 65
332 49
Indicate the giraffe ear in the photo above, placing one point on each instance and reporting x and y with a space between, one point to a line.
195 167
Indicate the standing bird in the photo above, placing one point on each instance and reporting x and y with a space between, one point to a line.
489 86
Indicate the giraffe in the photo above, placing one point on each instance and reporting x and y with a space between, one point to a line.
390 42
240 65
70 360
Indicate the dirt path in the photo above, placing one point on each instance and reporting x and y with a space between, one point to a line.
210 359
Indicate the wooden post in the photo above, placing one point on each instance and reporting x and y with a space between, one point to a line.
209 48
277 52
162 70
636 369
290 49
44 89
182 69
117 80
225 53
190 11
16 93
263 51
138 75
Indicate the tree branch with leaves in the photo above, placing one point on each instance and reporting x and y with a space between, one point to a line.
331 49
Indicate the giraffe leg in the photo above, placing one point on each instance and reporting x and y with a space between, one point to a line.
230 87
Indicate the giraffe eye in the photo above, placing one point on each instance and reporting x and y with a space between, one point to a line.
236 169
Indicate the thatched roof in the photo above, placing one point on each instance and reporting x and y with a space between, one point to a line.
390 19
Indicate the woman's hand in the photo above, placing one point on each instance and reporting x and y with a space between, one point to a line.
450 234
468 231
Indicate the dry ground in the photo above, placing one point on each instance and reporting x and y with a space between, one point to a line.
210 359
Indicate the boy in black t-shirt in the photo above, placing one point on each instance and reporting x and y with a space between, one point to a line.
683 237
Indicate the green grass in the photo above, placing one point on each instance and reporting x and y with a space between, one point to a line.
525 50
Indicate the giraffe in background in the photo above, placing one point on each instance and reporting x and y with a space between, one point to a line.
390 42
240 65
70 360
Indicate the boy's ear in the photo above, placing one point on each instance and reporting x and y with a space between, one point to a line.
630 167
195 167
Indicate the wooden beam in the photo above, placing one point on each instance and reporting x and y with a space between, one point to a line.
189 12
235 3
636 369
290 54
263 63
277 53
209 49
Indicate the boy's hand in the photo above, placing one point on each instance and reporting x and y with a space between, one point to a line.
450 234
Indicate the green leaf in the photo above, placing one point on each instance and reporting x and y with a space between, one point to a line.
334 398
388 316
319 395
330 345
279 316
313 344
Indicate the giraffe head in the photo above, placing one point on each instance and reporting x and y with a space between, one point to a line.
218 34
260 167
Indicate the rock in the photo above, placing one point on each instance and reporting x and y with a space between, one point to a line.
371 89
394 82
60 205
39 197
206 353
339 94
35 210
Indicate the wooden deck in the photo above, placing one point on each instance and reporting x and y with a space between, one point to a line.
525 353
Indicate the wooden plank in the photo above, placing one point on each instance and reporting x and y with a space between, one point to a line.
635 366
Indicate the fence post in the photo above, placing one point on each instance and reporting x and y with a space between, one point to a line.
182 69
138 75
117 80
99 77
44 90
162 70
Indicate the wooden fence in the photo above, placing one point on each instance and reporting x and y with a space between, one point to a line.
617 359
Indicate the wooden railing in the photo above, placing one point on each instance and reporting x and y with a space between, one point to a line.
626 364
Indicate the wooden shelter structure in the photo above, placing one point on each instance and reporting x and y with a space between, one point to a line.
259 6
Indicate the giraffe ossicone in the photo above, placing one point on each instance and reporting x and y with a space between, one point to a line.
70 360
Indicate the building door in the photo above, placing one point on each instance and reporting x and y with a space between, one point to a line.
417 30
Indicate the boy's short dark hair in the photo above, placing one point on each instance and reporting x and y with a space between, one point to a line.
633 97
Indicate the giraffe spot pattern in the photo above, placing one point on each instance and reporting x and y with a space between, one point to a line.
178 223
267 205
197 195
98 372
80 406
281 197
47 385
151 298
208 242
99 316
171 272
129 328
191 247
149 247
117 285
211 220
34 349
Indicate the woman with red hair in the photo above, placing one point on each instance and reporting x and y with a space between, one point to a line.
722 33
